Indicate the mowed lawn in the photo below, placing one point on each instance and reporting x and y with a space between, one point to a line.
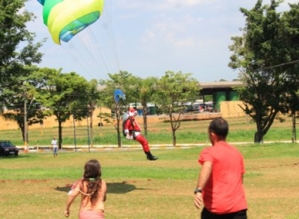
242 129
34 185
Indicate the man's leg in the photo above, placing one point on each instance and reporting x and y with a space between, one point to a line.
144 143
142 140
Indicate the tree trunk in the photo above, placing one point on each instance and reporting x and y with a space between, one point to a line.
117 114
118 135
294 127
91 128
173 138
144 114
23 132
258 137
59 134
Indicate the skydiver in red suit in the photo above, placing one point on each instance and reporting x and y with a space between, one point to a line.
132 131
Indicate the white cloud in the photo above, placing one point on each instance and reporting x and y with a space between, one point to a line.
157 5
168 30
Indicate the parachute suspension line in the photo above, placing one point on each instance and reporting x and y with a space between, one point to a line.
83 45
80 52
83 55
111 34
98 50
101 38
104 39
90 56
78 60
98 43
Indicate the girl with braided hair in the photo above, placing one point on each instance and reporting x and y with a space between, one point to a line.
93 193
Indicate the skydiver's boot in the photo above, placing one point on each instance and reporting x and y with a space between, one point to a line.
149 156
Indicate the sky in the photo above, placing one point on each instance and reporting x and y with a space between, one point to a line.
148 38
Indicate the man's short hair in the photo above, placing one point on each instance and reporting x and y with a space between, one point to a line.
219 126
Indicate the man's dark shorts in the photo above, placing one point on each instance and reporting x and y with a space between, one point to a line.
205 214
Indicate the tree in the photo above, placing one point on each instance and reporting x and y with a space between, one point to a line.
127 83
62 93
17 49
293 102
147 88
291 19
173 90
93 98
22 107
258 54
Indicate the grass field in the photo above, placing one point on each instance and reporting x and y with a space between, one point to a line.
192 132
33 186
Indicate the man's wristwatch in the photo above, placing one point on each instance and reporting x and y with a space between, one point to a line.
197 190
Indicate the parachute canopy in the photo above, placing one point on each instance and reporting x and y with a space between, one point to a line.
66 18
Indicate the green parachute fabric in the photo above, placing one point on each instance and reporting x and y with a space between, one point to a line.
66 18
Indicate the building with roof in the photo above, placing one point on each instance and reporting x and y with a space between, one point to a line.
220 91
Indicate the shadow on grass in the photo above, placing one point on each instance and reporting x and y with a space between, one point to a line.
115 188
63 189
120 188
10 157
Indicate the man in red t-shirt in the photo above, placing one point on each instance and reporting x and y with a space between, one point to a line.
220 181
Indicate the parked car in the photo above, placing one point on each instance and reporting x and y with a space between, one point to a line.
7 148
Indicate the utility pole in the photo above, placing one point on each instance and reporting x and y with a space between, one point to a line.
25 125
25 120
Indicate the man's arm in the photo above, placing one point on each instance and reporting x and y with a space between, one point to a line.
126 128
203 178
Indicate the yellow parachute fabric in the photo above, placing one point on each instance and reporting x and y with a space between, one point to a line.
66 18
